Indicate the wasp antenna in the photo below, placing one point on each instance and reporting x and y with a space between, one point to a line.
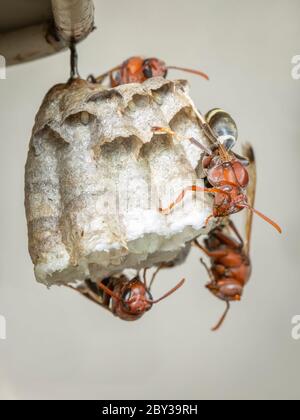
197 72
264 217
155 274
145 276
168 293
222 319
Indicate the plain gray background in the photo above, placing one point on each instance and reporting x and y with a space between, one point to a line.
58 344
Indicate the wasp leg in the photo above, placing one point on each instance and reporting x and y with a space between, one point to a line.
155 274
209 272
227 240
234 229
192 188
211 216
210 254
91 79
145 277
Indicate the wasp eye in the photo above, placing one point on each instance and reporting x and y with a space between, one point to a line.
126 295
147 70
227 188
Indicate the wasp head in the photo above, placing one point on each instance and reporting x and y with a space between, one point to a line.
136 299
153 67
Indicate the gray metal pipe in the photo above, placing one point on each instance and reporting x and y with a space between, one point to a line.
74 19
29 43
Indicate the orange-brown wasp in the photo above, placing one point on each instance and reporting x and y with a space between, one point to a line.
225 171
139 69
229 253
126 299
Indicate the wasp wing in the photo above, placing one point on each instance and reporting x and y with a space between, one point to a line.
103 76
90 292
241 158
248 152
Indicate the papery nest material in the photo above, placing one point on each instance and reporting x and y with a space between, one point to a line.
95 175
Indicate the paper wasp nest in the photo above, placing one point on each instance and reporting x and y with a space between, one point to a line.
96 173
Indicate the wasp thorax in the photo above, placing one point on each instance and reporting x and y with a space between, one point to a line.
223 127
